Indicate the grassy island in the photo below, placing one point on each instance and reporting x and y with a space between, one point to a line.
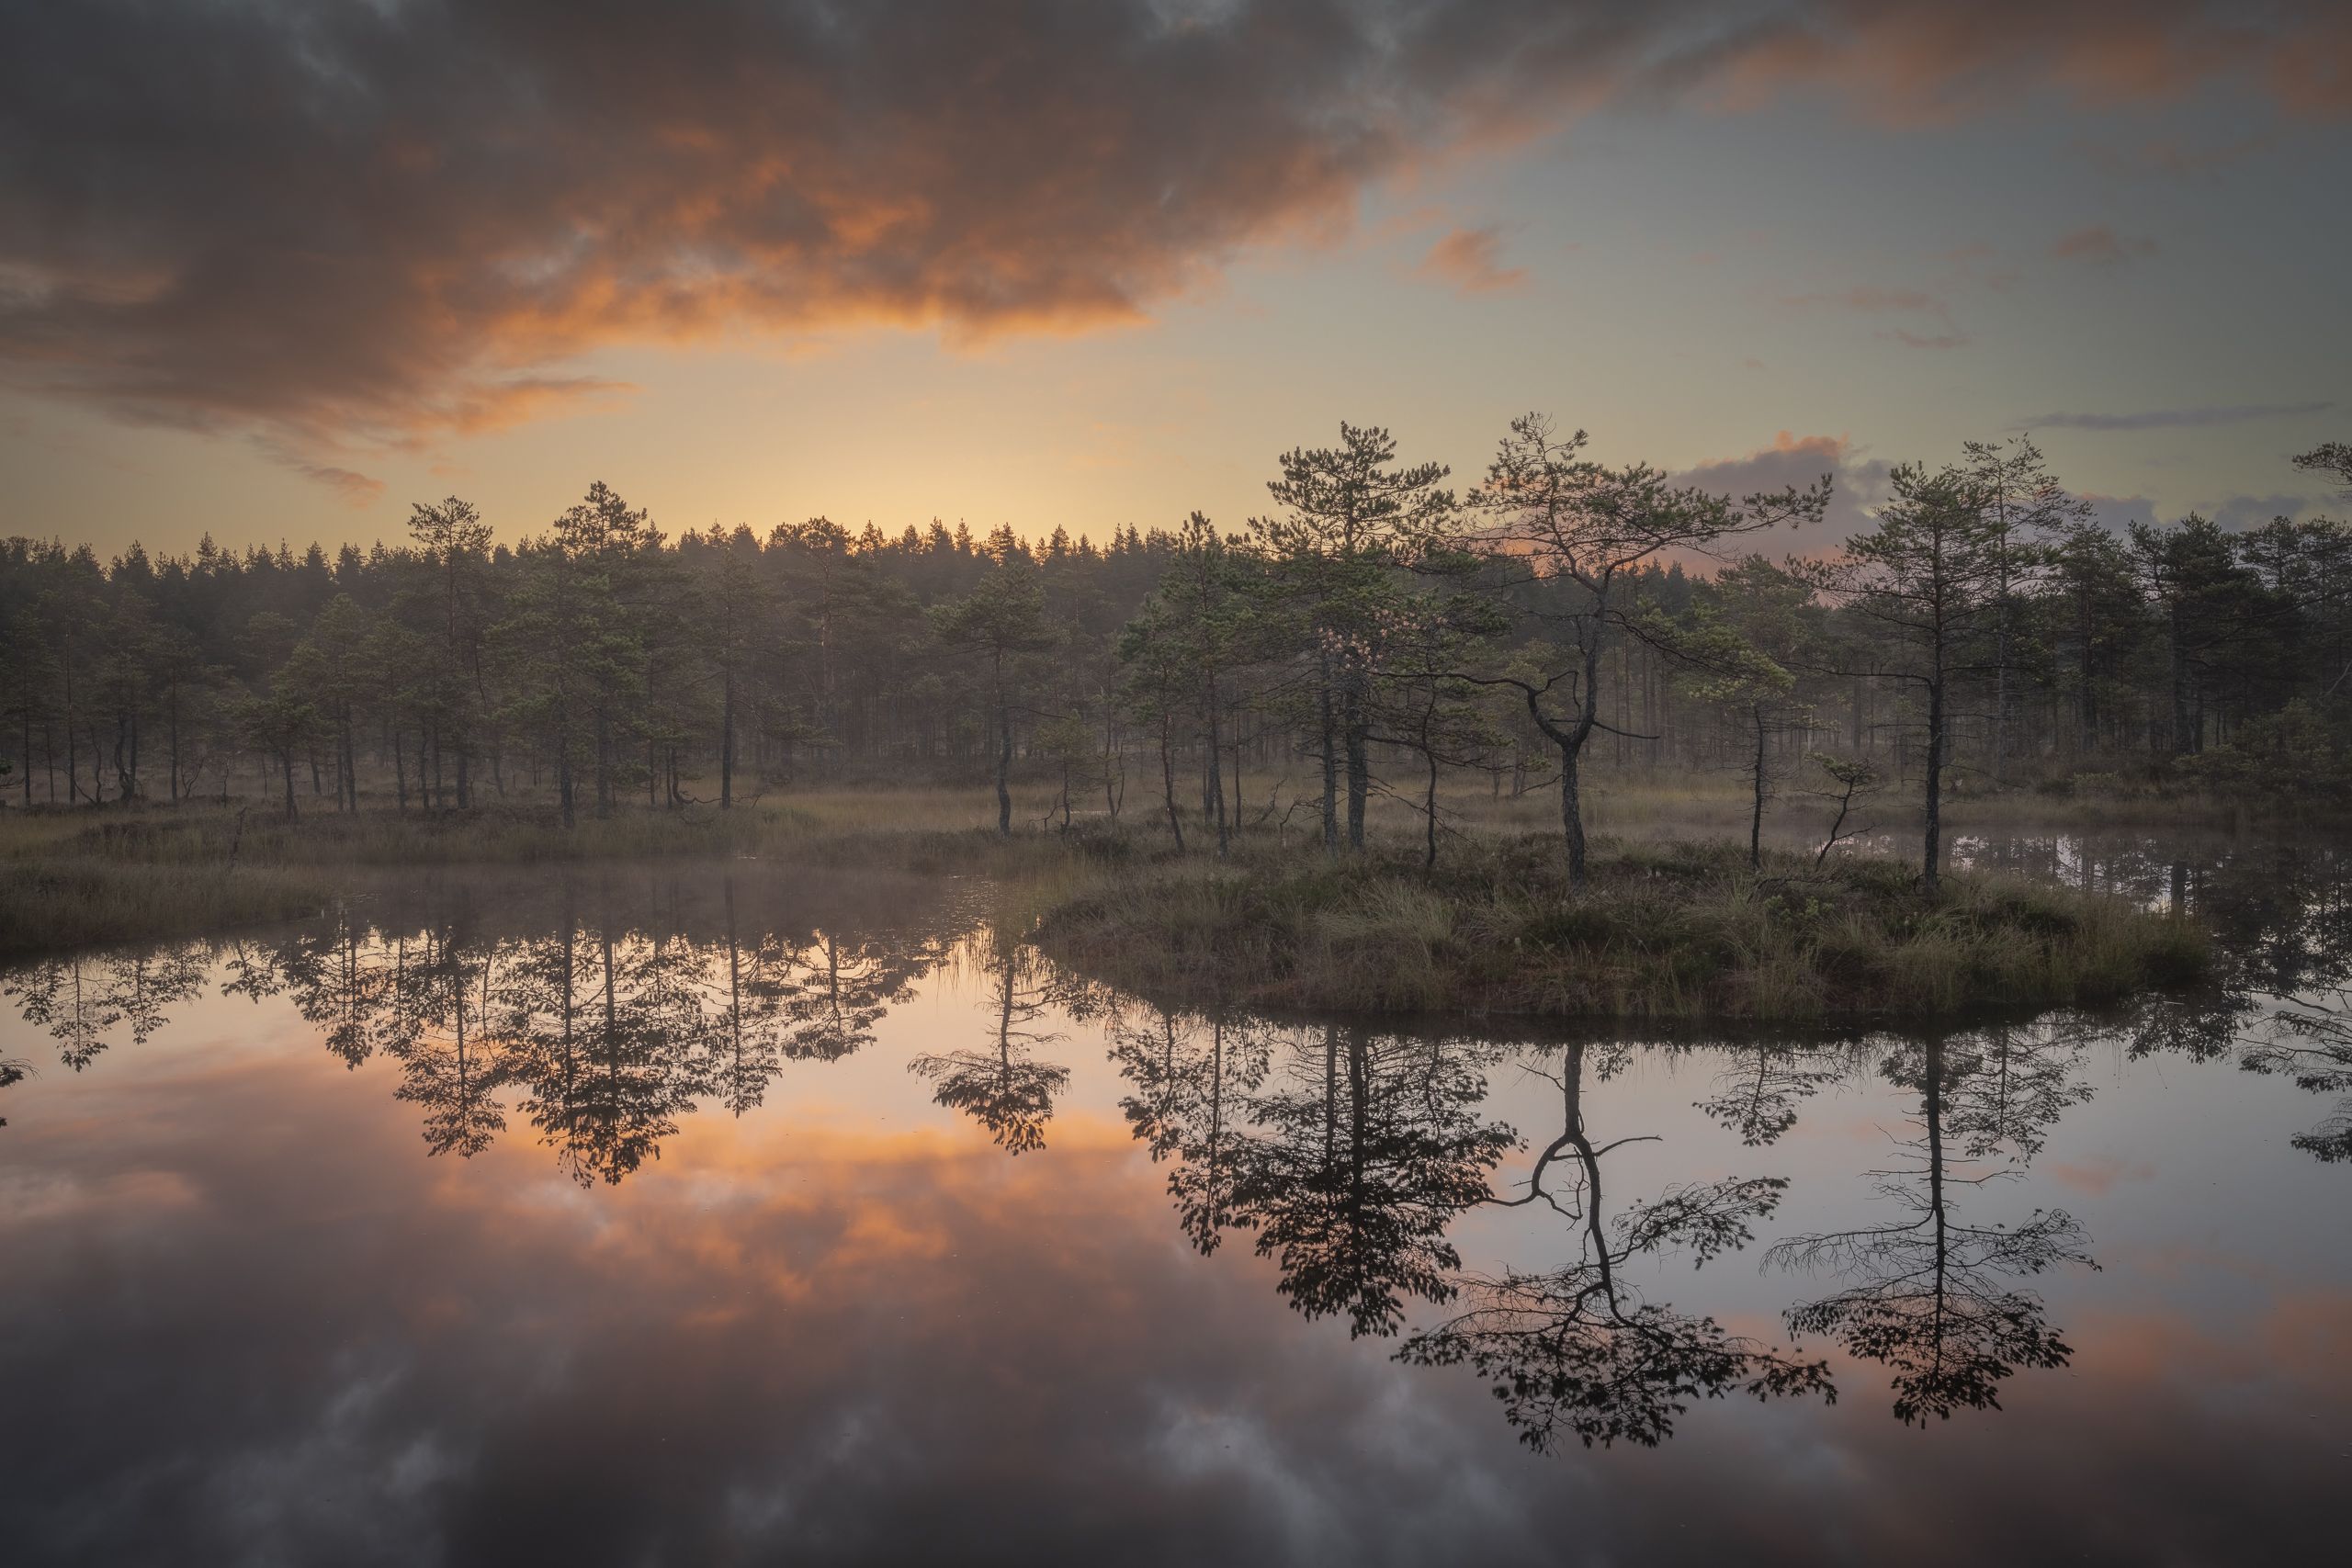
1675 930
1676 925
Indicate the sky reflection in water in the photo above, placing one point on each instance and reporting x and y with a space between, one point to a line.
689 1265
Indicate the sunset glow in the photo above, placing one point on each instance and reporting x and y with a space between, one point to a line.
1088 265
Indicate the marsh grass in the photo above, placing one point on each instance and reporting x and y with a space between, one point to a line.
1670 931
51 905
1675 928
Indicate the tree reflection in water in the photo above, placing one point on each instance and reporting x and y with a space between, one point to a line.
444 1068
1349 1158
79 1000
999 1087
747 990
594 1040
1187 1073
1577 1351
1932 1297
602 1031
1757 1096
1373 1147
1345 1151
2310 1041
2282 918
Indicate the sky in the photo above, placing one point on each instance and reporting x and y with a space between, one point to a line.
271 271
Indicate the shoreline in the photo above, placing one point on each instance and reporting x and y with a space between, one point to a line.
1677 927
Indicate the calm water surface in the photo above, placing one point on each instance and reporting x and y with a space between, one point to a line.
746 1216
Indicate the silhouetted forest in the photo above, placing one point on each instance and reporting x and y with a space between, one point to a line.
1374 632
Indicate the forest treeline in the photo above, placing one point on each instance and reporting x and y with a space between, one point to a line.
1375 632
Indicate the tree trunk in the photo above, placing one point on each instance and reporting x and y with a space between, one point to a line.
1570 741
1572 817
2180 729
1932 865
1429 808
1330 764
1216 780
727 742
1756 821
1359 766
1237 768
2001 694
1167 777
1003 761
603 763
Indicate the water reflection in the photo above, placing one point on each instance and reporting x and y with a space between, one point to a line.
1347 1151
599 1015
1758 1095
2308 1041
1188 1075
2281 914
1350 1151
1577 1349
1001 1086
79 1000
1930 1297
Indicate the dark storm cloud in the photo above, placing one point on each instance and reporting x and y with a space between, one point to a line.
387 221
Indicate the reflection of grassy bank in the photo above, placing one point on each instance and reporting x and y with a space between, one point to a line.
89 878
49 904
1671 931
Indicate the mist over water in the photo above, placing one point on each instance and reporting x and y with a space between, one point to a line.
739 1213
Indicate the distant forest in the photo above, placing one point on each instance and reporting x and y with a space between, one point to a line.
1375 632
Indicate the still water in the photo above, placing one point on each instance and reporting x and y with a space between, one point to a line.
741 1214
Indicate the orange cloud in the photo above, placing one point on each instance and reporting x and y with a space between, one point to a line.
376 226
1469 259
